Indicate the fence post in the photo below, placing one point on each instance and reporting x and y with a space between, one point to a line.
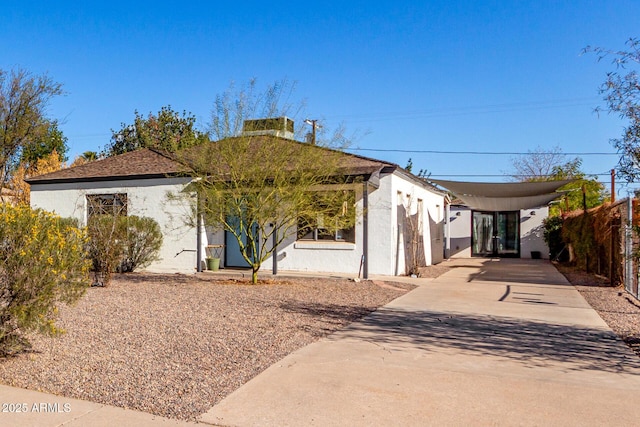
628 248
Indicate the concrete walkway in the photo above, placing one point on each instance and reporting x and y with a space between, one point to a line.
24 408
492 342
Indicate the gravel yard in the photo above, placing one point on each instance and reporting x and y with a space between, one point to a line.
175 345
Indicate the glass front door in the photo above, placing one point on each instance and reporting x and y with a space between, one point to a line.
495 234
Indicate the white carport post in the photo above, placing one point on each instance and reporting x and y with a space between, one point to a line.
365 230
447 225
628 247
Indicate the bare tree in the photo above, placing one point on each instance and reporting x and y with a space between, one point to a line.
411 223
538 165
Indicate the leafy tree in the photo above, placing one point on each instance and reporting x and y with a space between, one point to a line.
541 165
168 130
23 102
261 188
42 147
621 91
42 264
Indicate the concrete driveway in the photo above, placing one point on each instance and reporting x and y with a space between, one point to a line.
491 342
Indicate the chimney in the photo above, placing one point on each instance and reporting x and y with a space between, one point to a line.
276 126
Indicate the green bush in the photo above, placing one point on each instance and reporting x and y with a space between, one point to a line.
122 243
42 264
553 237
143 242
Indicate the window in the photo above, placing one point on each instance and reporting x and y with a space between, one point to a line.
106 204
334 219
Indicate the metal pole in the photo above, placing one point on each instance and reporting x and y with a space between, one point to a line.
628 248
447 221
274 253
365 230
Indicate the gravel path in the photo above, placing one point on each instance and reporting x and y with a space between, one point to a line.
175 345
617 308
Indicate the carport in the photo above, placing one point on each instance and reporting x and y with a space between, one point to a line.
497 211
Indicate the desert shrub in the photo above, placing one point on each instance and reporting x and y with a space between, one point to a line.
106 246
121 243
42 264
142 243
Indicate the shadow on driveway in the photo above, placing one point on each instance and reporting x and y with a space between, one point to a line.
534 344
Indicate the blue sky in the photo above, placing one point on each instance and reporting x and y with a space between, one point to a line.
488 76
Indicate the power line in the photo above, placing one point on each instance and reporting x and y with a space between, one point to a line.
467 110
586 175
491 153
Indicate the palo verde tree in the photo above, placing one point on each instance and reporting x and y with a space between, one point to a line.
263 188
24 99
621 91
168 130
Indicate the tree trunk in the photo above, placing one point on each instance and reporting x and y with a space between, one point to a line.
254 274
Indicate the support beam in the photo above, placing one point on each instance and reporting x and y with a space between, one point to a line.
274 253
447 230
365 230
200 222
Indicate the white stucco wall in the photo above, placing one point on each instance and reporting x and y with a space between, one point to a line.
386 251
145 197
531 232
389 238
387 242
460 226
322 256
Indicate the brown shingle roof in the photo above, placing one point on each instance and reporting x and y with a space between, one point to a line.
150 163
144 163
349 164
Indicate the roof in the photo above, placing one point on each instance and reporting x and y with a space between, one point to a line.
347 163
504 196
144 163
151 163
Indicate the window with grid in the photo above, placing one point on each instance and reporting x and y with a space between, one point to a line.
106 204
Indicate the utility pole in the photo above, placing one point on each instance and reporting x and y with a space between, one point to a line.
314 124
613 185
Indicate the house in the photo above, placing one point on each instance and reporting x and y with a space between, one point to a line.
401 216
498 219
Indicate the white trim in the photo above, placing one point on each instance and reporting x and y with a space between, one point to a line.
337 246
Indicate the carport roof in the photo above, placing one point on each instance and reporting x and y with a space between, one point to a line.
504 196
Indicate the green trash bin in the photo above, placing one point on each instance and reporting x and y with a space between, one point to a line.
213 264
